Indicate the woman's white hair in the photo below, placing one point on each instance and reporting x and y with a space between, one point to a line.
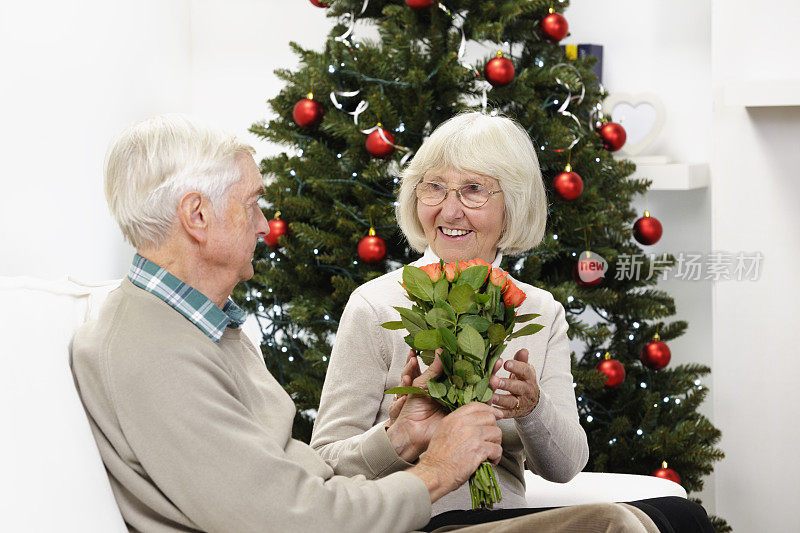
153 163
493 146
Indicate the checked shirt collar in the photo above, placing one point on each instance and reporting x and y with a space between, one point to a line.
185 299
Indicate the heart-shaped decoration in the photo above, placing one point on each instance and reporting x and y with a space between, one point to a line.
642 116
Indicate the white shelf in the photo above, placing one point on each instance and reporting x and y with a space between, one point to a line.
674 176
769 93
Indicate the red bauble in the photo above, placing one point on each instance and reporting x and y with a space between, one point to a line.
613 136
656 354
372 249
647 230
277 227
555 27
568 185
499 71
667 473
613 370
419 4
589 270
308 112
318 3
376 146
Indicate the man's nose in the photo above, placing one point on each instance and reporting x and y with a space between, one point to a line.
262 226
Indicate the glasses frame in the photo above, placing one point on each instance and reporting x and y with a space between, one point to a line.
458 194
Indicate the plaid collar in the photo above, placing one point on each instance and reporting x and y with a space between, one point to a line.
185 299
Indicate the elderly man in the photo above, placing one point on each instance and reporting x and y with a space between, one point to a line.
194 431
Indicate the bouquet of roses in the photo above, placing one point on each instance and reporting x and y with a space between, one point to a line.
468 311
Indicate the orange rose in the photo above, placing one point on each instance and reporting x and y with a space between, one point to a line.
498 277
433 270
513 295
463 265
450 270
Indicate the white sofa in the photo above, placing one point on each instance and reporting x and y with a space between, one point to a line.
52 476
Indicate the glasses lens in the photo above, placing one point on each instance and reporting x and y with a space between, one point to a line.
474 195
431 193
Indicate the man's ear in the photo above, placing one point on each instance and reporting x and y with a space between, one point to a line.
194 213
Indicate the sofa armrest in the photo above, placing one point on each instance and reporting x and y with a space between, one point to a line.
594 487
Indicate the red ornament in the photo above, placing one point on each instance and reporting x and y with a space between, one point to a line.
554 27
377 146
277 227
613 136
419 4
318 3
568 185
656 354
667 473
308 112
372 249
647 230
499 71
613 370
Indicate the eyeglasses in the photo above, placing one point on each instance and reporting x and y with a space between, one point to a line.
472 195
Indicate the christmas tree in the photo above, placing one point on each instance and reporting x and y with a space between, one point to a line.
351 115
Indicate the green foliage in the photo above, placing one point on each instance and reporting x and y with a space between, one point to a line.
331 191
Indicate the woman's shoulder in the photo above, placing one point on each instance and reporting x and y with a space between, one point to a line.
537 300
381 291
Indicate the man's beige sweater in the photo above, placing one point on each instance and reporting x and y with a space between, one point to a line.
196 435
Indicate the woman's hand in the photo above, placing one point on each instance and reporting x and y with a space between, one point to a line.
521 385
413 419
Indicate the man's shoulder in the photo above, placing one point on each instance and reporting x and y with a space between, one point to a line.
132 324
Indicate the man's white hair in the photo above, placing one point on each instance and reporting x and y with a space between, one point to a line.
493 146
153 163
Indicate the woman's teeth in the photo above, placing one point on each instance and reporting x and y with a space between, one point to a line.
454 232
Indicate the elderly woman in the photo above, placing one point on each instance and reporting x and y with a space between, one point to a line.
473 190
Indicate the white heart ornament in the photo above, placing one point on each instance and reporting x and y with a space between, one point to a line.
642 116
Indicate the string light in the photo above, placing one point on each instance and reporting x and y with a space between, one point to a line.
355 174
643 385
574 254
331 69
284 349
316 251
597 159
630 337
355 262
272 255
666 399
613 441
555 237
401 128
338 156
276 309
589 418
327 317
635 325
324 358
570 299
292 173
677 401
580 398
639 432
291 359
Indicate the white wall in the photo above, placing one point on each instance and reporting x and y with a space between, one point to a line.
74 74
755 194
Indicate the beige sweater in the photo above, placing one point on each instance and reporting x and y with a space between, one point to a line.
367 359
197 435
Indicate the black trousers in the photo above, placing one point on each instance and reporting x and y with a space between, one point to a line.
671 514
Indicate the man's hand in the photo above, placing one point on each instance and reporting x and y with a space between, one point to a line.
463 440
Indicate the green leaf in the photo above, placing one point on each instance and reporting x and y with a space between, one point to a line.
427 356
496 352
406 390
452 395
496 334
427 340
418 283
448 339
412 318
474 276
530 329
477 322
446 358
409 340
470 341
441 288
480 388
437 389
487 395
438 317
447 307
469 394
528 317
482 298
394 324
461 297
458 381
463 369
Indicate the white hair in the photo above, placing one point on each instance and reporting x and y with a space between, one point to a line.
492 146
153 163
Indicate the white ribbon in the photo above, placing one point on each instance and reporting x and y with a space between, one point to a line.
387 141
